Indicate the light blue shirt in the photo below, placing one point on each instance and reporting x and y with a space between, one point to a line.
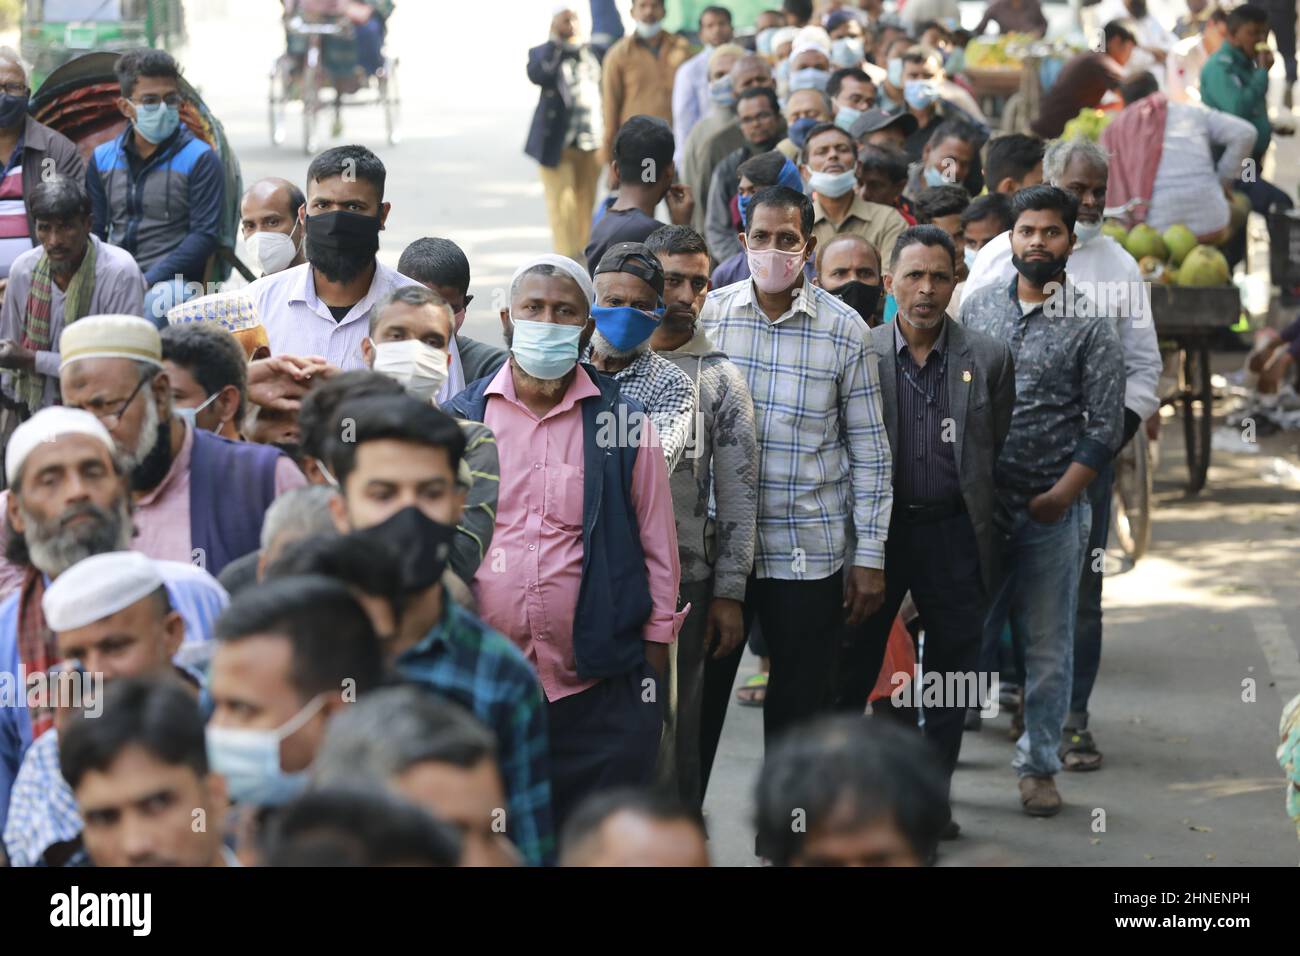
194 594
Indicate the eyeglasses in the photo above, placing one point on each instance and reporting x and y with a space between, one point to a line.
763 117
14 89
172 100
111 419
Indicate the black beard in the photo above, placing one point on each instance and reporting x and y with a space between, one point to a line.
153 469
679 321
338 266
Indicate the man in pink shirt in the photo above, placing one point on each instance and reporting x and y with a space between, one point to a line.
198 498
583 570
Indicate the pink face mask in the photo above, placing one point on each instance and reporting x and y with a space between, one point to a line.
774 270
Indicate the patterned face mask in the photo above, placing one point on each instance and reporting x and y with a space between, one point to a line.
1288 755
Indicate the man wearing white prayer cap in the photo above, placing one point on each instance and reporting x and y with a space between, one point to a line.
199 498
607 577
112 615
69 500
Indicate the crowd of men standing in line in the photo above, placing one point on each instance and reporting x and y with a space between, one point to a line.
366 590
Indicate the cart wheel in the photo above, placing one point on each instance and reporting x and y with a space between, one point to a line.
279 96
1198 410
389 93
1130 509
312 77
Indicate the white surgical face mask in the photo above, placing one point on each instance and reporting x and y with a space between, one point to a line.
419 367
1085 232
191 415
271 251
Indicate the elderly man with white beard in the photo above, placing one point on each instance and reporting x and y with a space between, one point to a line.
67 501
198 498
629 306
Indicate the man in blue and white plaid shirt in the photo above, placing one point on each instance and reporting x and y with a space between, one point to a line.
824 459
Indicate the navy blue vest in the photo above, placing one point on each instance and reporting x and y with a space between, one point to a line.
232 483
614 597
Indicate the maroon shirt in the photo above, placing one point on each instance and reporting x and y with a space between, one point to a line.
1082 83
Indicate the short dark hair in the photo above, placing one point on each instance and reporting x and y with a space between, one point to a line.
865 769
991 206
330 634
413 295
643 138
932 202
592 813
355 160
763 169
399 418
316 416
58 199
1216 14
890 160
134 64
154 713
211 355
1138 87
846 73
1123 30
818 130
764 91
799 9
1012 157
359 562
676 241
781 197
1045 198
436 261
1245 13
351 827
954 128
922 236
716 11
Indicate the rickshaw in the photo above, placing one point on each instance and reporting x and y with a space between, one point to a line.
56 31
79 99
321 55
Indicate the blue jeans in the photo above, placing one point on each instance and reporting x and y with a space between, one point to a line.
1039 595
1087 621
166 295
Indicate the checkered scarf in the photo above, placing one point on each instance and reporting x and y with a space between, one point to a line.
29 385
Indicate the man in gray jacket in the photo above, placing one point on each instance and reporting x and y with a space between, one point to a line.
715 497
947 394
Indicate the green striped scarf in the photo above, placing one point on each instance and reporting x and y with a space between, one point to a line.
29 385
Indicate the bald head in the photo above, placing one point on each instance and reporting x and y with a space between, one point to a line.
847 258
808 103
751 71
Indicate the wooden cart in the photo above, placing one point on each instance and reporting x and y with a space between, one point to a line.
1186 321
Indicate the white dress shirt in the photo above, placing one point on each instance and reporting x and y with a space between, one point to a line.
1098 261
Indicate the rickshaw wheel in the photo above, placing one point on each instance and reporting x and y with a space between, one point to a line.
279 96
389 94
1198 409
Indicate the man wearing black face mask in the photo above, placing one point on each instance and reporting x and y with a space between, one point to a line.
848 267
1067 424
323 306
947 394
28 150
716 554
398 488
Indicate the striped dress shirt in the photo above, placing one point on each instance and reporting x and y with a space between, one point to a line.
927 465
824 459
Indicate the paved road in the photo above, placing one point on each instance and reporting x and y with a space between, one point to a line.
1190 777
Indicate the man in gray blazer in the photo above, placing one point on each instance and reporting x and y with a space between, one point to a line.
947 394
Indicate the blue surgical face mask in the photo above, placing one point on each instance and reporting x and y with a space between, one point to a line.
847 52
935 178
832 185
894 72
624 327
544 350
250 760
191 415
919 93
891 309
799 129
721 92
846 117
742 205
155 123
809 78
970 258
763 42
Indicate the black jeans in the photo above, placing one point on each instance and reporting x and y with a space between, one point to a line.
802 623
939 563
606 736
